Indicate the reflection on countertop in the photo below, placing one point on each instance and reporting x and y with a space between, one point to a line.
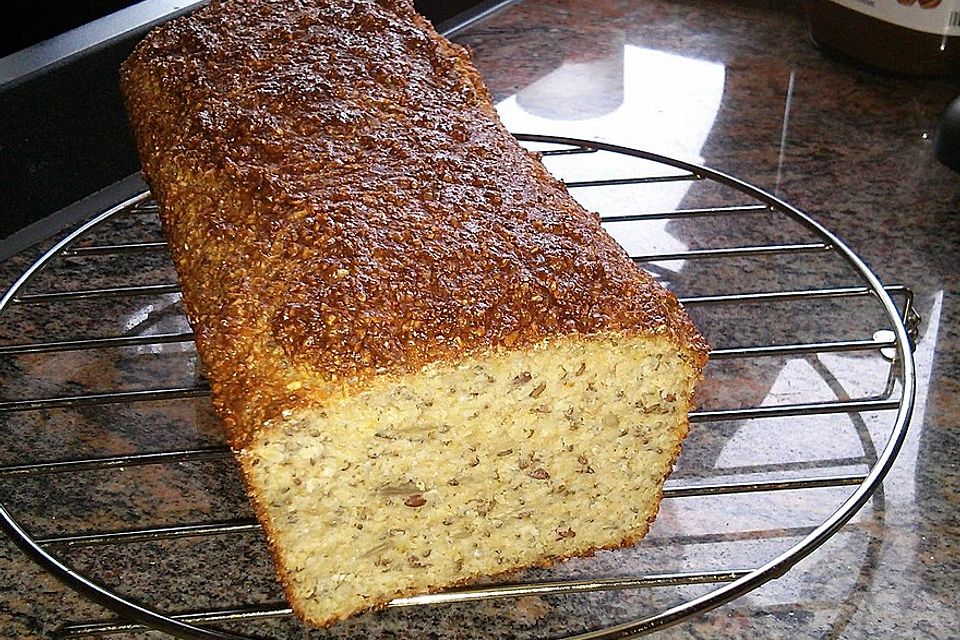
735 86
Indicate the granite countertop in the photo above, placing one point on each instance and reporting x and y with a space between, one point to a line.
736 86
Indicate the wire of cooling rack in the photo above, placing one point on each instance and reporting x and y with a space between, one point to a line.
897 335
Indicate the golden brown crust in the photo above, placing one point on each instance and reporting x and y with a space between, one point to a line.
341 201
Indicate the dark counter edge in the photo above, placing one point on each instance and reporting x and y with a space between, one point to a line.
65 150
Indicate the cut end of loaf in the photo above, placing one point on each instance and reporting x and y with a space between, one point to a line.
492 464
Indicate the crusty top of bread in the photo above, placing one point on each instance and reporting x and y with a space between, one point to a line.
342 201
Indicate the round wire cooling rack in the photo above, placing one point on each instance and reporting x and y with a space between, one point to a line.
781 290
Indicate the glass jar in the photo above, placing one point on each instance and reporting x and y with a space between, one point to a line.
914 37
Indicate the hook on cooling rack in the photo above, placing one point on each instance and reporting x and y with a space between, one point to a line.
910 318
912 323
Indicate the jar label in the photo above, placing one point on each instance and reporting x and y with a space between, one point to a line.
929 16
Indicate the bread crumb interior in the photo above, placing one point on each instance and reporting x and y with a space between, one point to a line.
470 469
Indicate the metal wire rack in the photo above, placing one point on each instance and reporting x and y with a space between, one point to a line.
742 247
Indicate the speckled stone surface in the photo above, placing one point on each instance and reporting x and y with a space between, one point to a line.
736 86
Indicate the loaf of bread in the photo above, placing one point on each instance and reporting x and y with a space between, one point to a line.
431 363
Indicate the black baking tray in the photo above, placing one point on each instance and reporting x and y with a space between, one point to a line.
64 134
